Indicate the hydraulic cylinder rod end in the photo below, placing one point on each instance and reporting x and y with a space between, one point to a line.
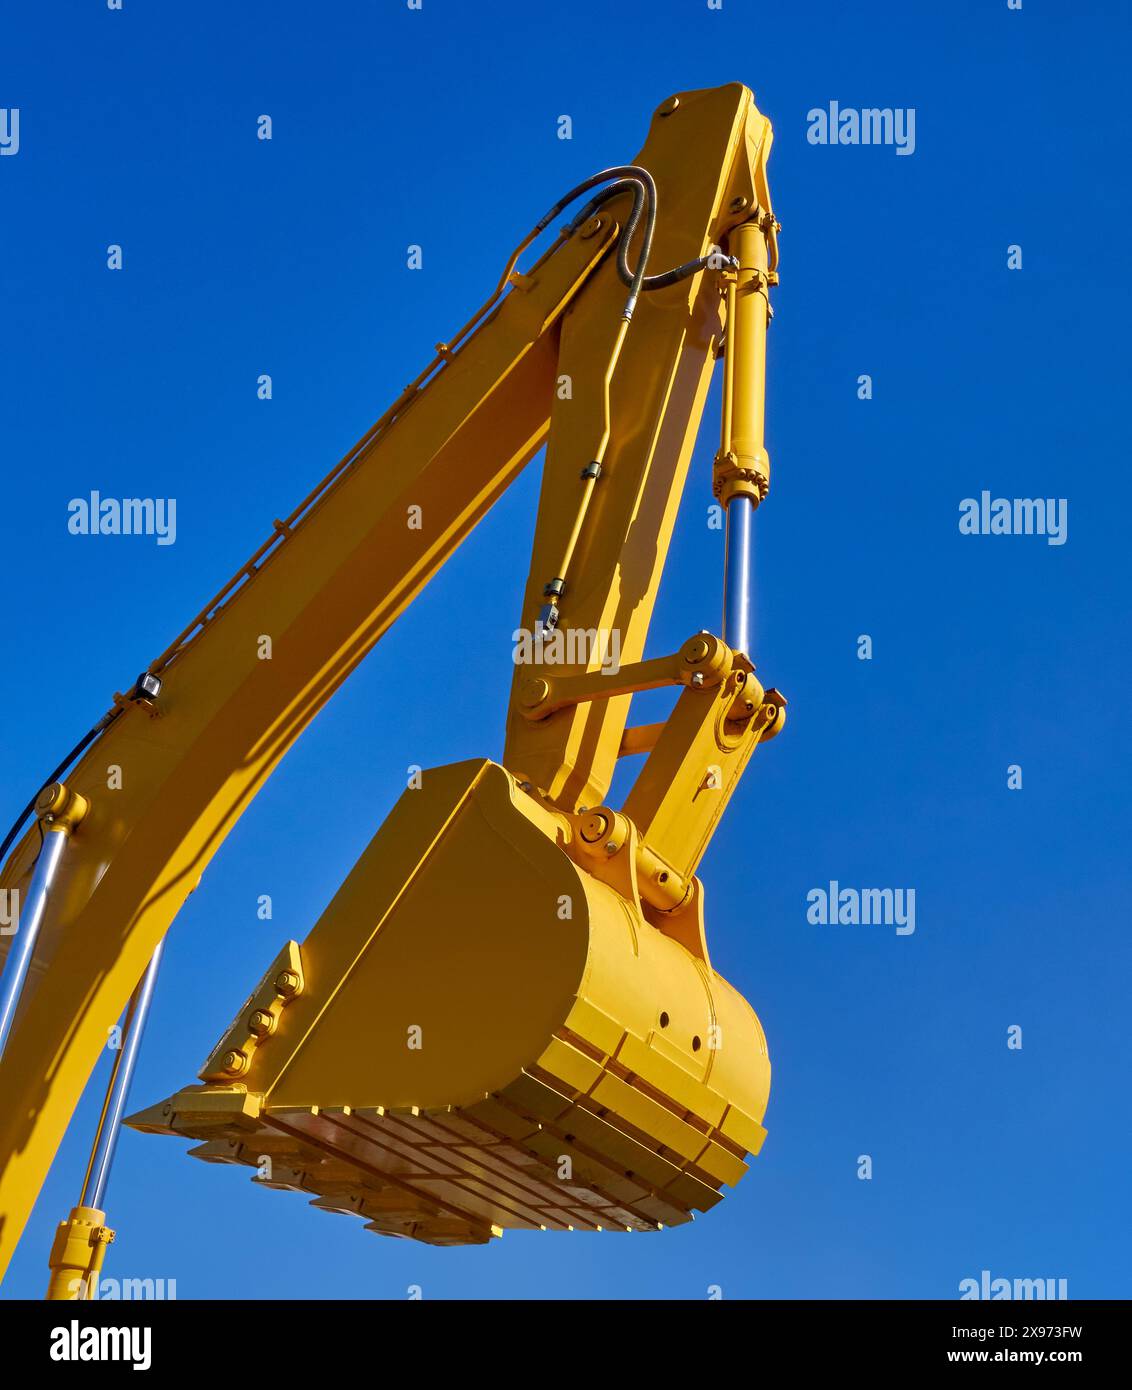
59 808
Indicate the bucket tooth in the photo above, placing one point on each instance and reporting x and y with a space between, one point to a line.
345 1205
154 1119
195 1110
219 1151
455 1233
283 1179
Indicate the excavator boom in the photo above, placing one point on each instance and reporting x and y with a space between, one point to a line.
508 1015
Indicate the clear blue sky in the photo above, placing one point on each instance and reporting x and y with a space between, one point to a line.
439 128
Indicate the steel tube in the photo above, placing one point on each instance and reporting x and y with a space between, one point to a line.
27 929
118 1090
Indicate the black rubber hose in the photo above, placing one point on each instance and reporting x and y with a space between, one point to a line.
629 177
639 283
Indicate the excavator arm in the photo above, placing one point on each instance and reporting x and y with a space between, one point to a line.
540 943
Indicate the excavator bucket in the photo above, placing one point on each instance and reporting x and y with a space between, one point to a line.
447 1059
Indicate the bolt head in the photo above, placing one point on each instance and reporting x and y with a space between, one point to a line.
260 1023
235 1062
611 848
697 678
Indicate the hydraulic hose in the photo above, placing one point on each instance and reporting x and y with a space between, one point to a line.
631 178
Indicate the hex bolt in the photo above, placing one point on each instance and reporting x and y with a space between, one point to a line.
611 848
287 983
235 1062
260 1023
697 679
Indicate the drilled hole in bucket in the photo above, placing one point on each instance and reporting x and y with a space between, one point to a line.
695 1044
664 1020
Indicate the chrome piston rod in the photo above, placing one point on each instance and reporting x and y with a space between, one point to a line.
29 918
118 1090
58 811
738 579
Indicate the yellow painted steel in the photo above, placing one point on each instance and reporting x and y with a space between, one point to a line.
602 1037
487 1036
77 1255
707 157
742 466
192 763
